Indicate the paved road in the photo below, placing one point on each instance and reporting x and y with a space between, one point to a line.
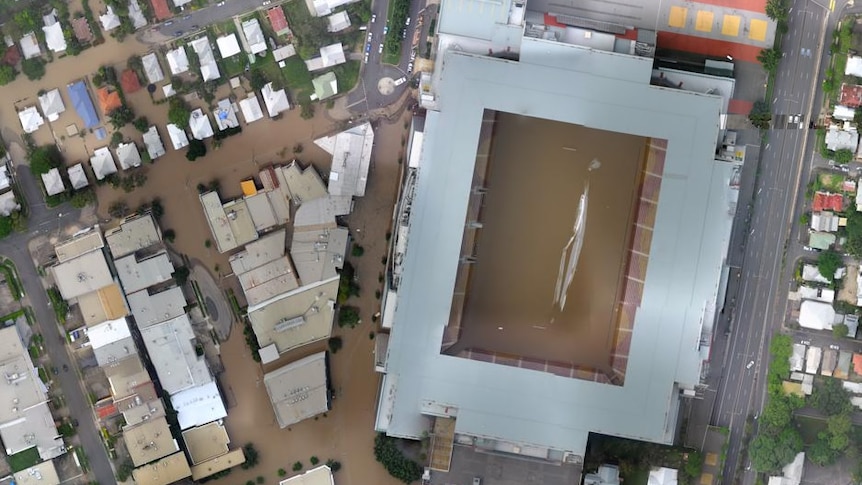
44 221
759 307
192 20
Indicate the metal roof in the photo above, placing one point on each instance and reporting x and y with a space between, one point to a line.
133 234
155 147
169 345
152 68
81 275
150 309
299 390
178 60
351 158
136 275
198 405
598 90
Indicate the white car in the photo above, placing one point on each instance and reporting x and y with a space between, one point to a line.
400 81
749 365
266 2
366 58
834 347
373 18
380 49
408 22
805 342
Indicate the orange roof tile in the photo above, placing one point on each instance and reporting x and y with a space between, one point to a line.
129 81
108 100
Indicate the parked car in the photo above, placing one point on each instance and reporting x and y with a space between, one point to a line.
805 342
367 48
380 49
220 4
477 480
373 18
834 347
408 22
366 58
385 29
186 17
400 81
266 2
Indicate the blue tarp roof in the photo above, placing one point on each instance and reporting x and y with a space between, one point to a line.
83 104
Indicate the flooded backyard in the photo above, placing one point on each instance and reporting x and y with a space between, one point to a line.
556 217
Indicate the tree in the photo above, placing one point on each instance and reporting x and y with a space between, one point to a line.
843 156
769 58
820 453
297 466
831 398
124 471
7 74
777 10
34 68
118 209
169 235
335 345
258 79
121 116
387 453
777 414
760 116
839 428
251 456
181 275
771 453
314 460
839 330
348 316
196 149
333 465
116 139
178 112
141 124
828 263
82 198
43 159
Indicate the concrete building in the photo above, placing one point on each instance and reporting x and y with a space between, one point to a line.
82 266
606 475
104 304
150 441
230 223
25 421
663 476
295 318
351 158
321 475
263 269
133 234
125 378
138 274
42 474
111 341
318 253
817 315
791 473
171 347
218 464
299 390
150 309
169 469
198 405
303 184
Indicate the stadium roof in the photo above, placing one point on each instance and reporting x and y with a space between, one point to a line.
275 100
172 353
133 234
138 274
77 176
299 390
150 309
602 90
152 68
53 182
81 275
128 155
199 405
52 104
83 104
228 45
351 157
102 162
155 147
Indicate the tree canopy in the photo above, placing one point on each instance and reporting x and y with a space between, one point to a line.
839 330
7 74
828 263
121 116
34 68
769 58
771 453
44 158
196 149
830 398
179 112
843 156
760 115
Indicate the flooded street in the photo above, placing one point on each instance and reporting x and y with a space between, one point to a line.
555 231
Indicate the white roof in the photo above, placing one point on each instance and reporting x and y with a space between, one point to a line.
168 90
209 68
838 139
853 66
77 176
52 104
318 254
152 68
797 358
228 45
284 52
108 332
199 124
812 359
302 185
180 3
150 309
110 20
54 38
133 234
83 274
137 16
42 474
254 35
250 108
351 158
136 275
5 181
322 211
824 221
330 55
30 46
155 147
816 315
325 7
843 113
298 390
275 101
103 163
791 473
8 203
321 475
30 118
225 115
128 155
169 345
178 136
662 476
53 182
199 405
178 60
338 21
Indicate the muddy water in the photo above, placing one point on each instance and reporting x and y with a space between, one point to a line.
537 173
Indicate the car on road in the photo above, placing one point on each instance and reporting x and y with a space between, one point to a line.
373 18
805 342
834 347
366 58
186 17
403 34
749 365
220 4
380 49
407 23
168 23
385 29
196 26
367 48
178 33
410 68
412 55
266 2
370 35
400 81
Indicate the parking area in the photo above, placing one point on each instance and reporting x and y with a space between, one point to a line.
499 469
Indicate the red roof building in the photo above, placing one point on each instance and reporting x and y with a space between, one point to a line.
12 55
82 29
277 19
857 364
828 202
851 96
108 100
161 9
129 81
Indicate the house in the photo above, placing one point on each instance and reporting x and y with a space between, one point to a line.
853 66
821 240
325 86
178 136
817 315
30 46
82 30
228 46
129 81
199 124
54 38
83 104
791 473
78 177
109 99
52 104
662 476
250 107
178 61
842 139
824 221
53 182
128 155
136 15
254 36
152 69
283 53
338 21
225 115
161 9
155 147
330 55
109 20
278 21
168 90
209 68
827 201
321 8
606 475
275 101
102 163
30 118
843 113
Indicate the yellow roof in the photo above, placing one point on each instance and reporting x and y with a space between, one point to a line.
248 188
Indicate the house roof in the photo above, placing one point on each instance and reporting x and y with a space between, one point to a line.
136 15
53 182
54 38
851 95
155 147
198 405
284 52
102 163
128 155
161 9
199 124
110 20
351 158
250 107
30 118
275 101
52 104
827 201
83 104
129 81
109 99
225 115
228 45
662 476
299 390
178 60
77 176
330 55
254 35
82 29
277 20
30 46
209 68
325 86
338 21
152 68
178 136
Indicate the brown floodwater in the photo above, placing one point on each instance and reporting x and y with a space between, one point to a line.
531 292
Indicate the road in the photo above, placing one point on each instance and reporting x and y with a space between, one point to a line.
192 20
759 307
44 221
